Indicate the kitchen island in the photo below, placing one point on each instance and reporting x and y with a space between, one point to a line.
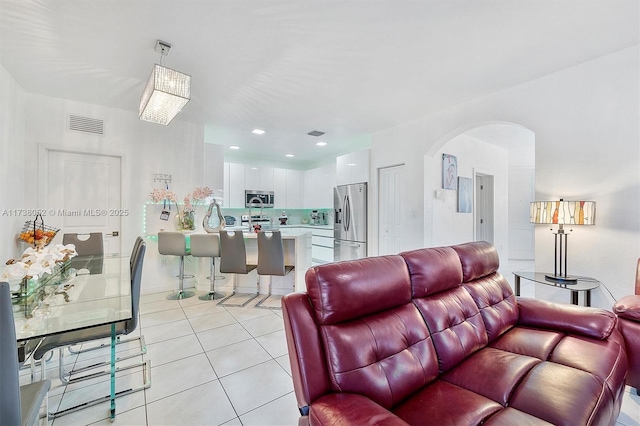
297 253
160 271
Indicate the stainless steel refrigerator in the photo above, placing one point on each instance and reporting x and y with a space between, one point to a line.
350 222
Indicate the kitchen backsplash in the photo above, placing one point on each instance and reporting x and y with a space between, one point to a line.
295 216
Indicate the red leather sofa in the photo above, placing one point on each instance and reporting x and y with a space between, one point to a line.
436 336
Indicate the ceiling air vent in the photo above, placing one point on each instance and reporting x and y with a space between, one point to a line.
86 124
315 133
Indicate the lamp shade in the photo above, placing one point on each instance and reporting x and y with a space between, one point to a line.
563 212
166 92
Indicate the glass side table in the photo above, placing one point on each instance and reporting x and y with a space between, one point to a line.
584 284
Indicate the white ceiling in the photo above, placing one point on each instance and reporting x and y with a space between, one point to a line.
348 68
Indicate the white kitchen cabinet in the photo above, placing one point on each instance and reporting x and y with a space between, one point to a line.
322 245
280 188
318 187
286 184
214 168
236 185
294 189
353 167
251 178
266 178
258 178
310 188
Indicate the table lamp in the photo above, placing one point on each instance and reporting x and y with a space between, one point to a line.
562 213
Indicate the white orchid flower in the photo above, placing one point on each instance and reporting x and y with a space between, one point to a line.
70 249
56 254
29 251
15 271
48 260
31 258
36 269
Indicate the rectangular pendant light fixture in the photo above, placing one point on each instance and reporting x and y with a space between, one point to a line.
166 93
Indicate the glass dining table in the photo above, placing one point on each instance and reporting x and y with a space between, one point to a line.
98 293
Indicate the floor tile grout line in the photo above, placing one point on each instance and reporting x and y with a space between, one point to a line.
268 402
216 374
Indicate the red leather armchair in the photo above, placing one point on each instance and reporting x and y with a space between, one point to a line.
628 311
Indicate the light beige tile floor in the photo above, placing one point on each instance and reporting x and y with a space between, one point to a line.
210 366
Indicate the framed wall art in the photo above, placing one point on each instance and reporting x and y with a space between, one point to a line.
465 195
449 171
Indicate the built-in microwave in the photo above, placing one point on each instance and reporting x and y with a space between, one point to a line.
265 196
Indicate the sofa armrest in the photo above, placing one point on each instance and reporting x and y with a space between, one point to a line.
628 307
348 409
589 322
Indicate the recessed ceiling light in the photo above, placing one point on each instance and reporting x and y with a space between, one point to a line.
352 164
289 155
321 144
234 147
258 131
254 168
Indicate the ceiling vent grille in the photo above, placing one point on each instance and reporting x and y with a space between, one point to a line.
315 133
86 124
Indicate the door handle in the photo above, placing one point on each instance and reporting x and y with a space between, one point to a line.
113 234
347 212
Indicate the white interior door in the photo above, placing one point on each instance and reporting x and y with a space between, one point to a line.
484 208
391 212
83 195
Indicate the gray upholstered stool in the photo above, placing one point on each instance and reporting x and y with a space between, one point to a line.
208 245
233 259
174 243
271 260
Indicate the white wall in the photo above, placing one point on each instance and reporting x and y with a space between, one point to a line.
451 227
145 148
12 165
585 119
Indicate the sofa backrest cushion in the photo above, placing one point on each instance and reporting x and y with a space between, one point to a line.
478 259
456 326
433 270
353 289
496 302
386 356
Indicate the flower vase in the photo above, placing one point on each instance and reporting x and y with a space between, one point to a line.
65 270
186 221
24 287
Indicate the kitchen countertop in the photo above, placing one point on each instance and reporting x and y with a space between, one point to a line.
307 225
285 227
285 232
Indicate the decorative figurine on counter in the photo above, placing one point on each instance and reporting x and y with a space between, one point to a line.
217 220
283 218
257 227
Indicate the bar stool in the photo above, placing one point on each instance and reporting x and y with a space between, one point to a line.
173 243
207 245
233 259
271 261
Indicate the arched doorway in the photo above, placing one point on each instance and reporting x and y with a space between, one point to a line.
498 153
